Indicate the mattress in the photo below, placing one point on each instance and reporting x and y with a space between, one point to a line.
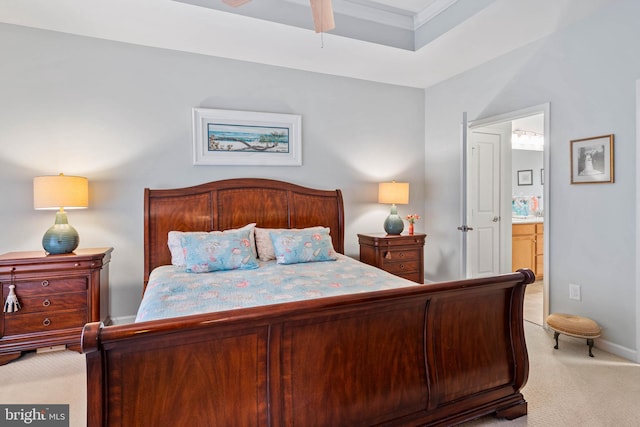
172 292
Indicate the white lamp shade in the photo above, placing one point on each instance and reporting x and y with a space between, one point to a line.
393 193
60 191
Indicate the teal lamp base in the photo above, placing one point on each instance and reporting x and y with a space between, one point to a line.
61 238
393 224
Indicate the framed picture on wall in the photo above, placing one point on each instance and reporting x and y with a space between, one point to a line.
525 177
592 160
246 138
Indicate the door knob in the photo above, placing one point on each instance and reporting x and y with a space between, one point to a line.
496 219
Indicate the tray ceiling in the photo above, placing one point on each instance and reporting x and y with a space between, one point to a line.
403 24
415 43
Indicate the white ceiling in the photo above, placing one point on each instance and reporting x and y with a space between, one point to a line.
533 123
464 34
413 6
408 24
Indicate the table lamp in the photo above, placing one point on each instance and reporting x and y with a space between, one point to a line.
60 192
394 193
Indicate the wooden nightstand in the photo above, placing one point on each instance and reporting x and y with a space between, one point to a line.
58 295
401 255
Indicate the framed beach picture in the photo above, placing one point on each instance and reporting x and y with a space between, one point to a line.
592 160
525 177
228 137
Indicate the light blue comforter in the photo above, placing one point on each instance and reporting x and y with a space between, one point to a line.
171 292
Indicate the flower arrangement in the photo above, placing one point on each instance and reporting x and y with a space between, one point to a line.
413 218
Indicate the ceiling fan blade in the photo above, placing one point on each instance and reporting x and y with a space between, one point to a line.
322 15
235 3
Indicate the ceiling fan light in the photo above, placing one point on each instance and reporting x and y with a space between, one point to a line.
322 15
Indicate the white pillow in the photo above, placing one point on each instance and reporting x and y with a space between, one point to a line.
266 252
177 251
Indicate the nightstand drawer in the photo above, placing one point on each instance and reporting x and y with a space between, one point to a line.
58 295
39 322
46 285
394 256
402 255
55 264
51 303
401 267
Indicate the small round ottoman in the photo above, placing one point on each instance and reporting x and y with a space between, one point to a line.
574 326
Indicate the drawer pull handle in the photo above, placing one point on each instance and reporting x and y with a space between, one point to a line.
402 266
45 283
46 303
46 322
401 254
77 264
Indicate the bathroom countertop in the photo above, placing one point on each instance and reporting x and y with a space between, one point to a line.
526 219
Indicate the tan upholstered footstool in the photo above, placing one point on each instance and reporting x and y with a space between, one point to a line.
574 326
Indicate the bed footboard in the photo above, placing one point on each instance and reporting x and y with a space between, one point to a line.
438 354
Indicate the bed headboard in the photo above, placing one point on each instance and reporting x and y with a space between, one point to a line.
233 203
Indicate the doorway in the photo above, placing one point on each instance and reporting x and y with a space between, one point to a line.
509 180
528 203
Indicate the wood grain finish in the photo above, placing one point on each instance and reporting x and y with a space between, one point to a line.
539 270
431 355
402 255
58 295
234 203
528 247
438 354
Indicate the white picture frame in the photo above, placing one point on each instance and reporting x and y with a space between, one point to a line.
246 138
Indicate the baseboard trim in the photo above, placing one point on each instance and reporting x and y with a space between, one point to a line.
123 320
618 350
608 346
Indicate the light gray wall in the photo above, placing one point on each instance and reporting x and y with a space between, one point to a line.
526 160
120 115
587 73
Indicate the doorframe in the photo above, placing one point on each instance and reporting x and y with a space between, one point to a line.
637 222
518 114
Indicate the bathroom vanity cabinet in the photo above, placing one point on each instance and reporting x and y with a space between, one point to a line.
528 247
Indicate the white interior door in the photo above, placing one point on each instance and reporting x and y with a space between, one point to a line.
502 124
484 201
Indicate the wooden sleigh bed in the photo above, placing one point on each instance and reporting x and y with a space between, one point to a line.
437 354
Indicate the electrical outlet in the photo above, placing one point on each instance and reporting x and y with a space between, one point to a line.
574 291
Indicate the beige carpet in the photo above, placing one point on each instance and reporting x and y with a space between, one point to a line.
533 303
565 387
47 378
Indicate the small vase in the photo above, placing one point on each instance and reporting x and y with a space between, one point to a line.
411 228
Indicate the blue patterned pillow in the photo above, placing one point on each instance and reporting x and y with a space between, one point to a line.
298 247
177 251
264 244
218 251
